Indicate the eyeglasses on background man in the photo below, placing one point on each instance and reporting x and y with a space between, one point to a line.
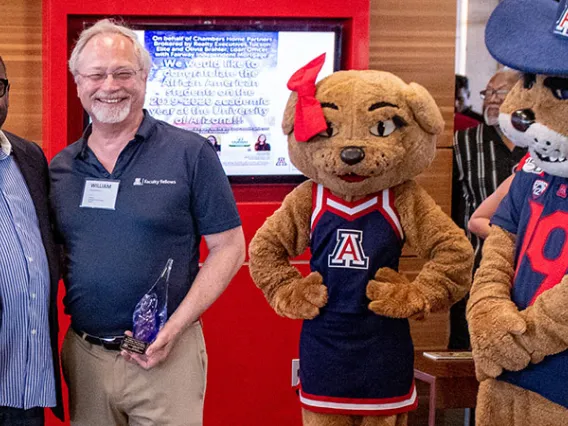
487 93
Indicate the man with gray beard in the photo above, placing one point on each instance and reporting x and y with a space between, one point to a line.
132 193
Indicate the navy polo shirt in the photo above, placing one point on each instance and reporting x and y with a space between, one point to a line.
172 191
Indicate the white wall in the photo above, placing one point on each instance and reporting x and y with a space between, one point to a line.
479 65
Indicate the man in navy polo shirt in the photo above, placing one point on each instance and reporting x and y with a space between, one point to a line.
128 195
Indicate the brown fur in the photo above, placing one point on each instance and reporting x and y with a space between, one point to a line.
549 111
433 235
493 318
503 404
314 419
547 323
284 235
502 337
390 162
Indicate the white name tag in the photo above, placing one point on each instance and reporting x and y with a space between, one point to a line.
100 194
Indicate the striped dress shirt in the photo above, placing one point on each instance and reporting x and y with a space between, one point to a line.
481 162
26 367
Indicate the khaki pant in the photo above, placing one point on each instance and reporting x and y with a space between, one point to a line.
106 390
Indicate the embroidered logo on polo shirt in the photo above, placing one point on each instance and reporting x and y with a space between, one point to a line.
143 181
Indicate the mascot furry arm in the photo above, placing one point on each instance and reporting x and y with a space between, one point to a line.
286 234
444 278
492 316
547 323
503 337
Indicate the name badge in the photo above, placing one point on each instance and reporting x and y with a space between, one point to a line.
100 194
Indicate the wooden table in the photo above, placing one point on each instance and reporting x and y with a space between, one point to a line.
452 383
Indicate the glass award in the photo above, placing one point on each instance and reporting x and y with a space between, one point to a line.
150 314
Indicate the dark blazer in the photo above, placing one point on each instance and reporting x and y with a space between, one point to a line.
33 165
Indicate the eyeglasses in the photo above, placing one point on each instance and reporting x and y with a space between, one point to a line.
3 86
122 75
486 94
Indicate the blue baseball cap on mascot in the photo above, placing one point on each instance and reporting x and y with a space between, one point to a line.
530 35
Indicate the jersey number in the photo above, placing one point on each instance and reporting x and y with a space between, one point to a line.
539 229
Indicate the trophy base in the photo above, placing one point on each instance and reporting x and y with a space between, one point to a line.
131 344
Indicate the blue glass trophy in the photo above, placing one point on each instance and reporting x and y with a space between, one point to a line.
150 314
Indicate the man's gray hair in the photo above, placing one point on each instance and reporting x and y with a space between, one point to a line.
108 26
506 70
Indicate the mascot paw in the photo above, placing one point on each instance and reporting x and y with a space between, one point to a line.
547 323
528 340
301 299
494 328
485 368
392 295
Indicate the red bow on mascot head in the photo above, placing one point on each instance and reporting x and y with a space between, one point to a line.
309 119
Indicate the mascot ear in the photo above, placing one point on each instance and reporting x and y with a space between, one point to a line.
290 114
425 110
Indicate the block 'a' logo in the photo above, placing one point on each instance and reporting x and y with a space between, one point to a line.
348 251
562 190
561 27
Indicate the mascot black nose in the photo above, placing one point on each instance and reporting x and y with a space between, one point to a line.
522 119
352 155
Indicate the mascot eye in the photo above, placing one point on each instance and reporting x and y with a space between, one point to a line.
330 131
561 94
558 86
529 80
385 128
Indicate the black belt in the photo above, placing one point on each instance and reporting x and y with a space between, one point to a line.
110 343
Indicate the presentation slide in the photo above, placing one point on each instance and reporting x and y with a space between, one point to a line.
230 87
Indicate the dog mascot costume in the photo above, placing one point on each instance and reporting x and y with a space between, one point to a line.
361 137
518 309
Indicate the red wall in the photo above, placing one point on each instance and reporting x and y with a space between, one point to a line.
250 348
